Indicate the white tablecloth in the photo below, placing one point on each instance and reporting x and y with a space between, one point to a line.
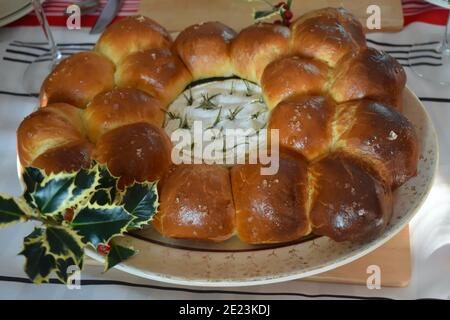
430 229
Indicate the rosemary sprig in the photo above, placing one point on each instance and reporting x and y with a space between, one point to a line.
219 135
233 113
189 98
248 88
217 120
184 123
224 148
256 115
171 116
207 103
232 88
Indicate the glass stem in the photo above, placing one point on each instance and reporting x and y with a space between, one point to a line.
54 51
445 44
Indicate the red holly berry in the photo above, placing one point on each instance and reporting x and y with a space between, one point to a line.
288 14
68 215
103 249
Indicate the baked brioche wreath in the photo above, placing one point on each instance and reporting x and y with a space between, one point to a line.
97 162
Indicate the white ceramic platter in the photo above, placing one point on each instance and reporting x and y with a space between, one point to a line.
234 264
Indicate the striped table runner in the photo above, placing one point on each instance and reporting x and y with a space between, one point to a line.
413 11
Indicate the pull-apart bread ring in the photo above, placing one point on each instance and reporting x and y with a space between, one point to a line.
344 143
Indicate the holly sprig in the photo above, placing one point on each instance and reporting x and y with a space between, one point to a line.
281 9
76 210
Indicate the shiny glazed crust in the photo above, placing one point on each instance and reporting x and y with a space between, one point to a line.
77 80
196 203
204 49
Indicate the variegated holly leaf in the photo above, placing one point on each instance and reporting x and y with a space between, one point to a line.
63 243
101 197
38 264
117 254
141 200
99 224
86 182
10 211
52 249
32 177
108 182
53 192
265 14
58 192
66 268
34 236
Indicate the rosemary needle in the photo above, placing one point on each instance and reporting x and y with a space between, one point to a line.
189 98
232 114
207 103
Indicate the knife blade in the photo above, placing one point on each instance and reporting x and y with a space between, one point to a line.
107 15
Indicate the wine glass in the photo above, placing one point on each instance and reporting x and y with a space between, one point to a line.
435 65
38 70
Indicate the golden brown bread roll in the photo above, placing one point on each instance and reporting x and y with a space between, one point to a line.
305 124
135 152
196 203
118 107
381 137
290 76
157 71
369 74
327 34
271 208
47 128
66 158
347 202
132 34
256 46
77 79
204 49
